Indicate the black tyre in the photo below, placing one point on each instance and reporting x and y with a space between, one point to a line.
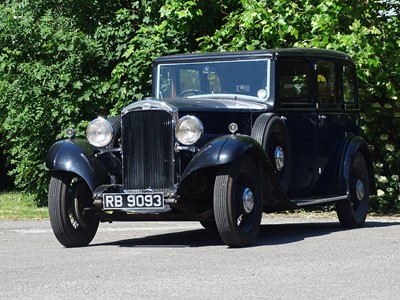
352 212
68 196
270 131
238 203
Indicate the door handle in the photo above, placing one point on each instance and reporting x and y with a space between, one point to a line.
321 120
318 120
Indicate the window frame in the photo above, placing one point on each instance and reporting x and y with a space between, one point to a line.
337 103
309 104
346 104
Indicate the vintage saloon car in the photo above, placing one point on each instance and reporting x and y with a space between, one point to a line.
224 138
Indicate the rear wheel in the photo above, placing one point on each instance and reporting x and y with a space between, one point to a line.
238 203
68 196
352 212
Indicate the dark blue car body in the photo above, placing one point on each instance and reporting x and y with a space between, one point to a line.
280 131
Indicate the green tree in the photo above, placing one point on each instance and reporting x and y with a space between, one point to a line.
167 28
62 63
51 76
368 30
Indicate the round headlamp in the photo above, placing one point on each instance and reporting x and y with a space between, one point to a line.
99 132
188 130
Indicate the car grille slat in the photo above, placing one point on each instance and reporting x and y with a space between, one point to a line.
147 150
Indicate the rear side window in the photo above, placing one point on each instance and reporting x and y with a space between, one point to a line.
349 79
293 83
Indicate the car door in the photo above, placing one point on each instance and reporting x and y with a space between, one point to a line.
296 105
333 122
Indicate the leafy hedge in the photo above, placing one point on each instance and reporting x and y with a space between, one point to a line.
64 62
369 31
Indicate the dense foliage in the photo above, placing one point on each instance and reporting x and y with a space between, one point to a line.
369 31
64 62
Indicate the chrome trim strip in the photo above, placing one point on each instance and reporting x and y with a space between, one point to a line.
305 202
144 211
150 104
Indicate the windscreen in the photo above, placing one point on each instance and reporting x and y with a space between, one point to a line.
236 77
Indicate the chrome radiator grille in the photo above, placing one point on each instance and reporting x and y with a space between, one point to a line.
147 150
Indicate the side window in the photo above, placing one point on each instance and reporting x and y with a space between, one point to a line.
348 85
292 82
189 80
214 83
326 83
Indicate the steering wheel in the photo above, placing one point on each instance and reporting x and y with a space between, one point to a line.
193 91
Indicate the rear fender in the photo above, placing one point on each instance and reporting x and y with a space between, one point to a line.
79 157
356 144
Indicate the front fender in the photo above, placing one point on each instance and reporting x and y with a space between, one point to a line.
79 157
228 148
223 150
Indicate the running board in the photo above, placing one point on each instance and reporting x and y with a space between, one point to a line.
315 201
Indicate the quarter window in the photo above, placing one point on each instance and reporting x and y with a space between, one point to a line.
348 85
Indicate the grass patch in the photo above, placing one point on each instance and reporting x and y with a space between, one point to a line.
20 206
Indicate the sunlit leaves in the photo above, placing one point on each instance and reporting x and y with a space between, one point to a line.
368 30
65 62
51 74
62 63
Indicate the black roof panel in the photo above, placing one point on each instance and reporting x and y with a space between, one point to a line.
281 52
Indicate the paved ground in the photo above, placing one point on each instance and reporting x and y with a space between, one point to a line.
295 258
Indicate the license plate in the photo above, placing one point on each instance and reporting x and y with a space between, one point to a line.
133 201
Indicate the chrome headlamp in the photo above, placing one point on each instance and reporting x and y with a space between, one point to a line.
188 130
99 132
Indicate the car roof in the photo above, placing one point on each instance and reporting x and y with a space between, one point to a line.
272 53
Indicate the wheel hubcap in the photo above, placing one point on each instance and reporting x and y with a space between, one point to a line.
248 200
279 158
360 190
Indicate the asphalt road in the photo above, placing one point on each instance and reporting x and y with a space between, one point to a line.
293 259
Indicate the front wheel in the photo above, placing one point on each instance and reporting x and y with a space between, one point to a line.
238 203
352 212
71 224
